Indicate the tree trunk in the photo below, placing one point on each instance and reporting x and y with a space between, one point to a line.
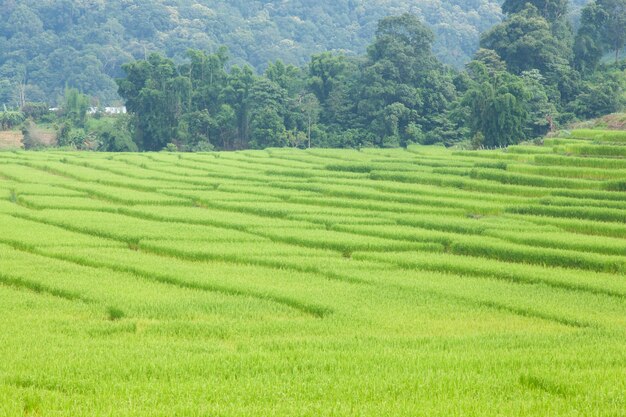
309 131
22 94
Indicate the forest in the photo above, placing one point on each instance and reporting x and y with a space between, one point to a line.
533 72
46 45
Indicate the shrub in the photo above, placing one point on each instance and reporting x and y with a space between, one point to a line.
114 314
170 147
11 119
115 139
72 137
203 146
33 138
35 110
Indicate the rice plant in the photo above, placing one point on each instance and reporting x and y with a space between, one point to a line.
417 282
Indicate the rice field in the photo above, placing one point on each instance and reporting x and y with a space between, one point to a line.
381 282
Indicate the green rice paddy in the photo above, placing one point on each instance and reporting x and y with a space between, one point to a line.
418 282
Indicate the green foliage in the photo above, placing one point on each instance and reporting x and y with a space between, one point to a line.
115 138
195 127
11 119
159 96
267 102
612 25
404 86
170 147
83 44
324 74
114 313
72 137
530 77
498 104
525 41
267 129
588 48
530 39
75 107
552 10
601 94
288 77
536 36
394 97
335 80
542 111
35 111
602 29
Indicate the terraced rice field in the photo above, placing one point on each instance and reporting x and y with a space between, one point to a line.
419 282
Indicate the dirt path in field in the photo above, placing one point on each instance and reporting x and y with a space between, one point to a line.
10 139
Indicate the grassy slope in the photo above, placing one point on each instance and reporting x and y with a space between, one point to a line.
323 282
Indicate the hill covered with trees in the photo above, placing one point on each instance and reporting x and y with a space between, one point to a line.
534 71
46 45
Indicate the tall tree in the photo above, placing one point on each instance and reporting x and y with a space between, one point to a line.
208 77
310 107
157 96
404 86
335 80
267 103
75 107
614 24
324 73
542 111
527 41
497 102
602 93
288 77
524 41
236 96
588 45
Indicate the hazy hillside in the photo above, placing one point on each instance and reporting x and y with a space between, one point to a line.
48 44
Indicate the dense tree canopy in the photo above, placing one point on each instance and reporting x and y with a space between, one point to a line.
551 10
155 90
588 48
525 41
602 29
391 97
497 103
532 73
404 85
47 45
